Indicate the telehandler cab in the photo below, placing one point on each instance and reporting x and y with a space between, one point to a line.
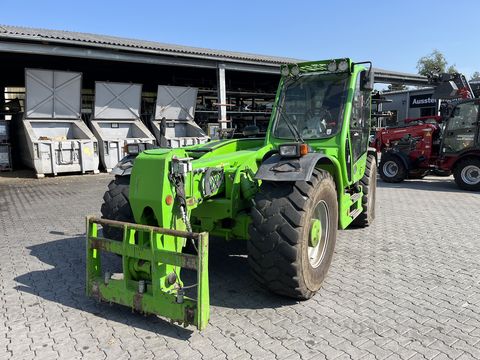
285 194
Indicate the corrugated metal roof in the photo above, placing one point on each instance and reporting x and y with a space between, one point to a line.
138 47
395 92
85 39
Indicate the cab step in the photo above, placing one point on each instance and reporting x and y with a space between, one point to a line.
355 197
353 214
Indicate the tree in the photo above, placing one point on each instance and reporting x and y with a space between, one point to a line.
475 75
452 69
434 62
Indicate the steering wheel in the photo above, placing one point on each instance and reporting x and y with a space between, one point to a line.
322 119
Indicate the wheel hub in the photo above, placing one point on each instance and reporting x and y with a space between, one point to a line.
315 233
390 168
471 175
319 233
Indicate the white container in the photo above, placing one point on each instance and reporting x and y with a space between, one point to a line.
5 157
116 120
52 137
174 121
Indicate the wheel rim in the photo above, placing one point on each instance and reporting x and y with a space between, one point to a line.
471 175
390 168
319 231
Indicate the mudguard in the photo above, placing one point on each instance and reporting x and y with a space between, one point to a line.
124 166
278 168
372 151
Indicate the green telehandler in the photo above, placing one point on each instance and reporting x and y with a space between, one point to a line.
286 194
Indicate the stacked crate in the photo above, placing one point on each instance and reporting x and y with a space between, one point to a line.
5 146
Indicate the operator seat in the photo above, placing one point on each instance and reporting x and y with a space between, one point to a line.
334 97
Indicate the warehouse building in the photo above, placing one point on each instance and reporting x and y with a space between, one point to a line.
234 89
416 103
409 104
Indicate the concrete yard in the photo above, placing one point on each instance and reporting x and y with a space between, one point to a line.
408 287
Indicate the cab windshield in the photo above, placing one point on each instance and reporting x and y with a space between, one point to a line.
461 127
311 106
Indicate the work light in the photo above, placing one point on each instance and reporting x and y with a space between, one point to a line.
295 70
332 66
343 65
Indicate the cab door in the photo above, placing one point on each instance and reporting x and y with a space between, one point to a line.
359 125
461 131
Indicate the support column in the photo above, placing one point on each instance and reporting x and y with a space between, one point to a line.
222 96
2 99
407 108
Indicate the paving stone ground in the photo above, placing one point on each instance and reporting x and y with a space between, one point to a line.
405 288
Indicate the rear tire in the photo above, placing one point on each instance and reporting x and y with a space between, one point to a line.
293 234
116 206
369 186
467 174
392 169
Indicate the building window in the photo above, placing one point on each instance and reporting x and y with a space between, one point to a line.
392 120
427 111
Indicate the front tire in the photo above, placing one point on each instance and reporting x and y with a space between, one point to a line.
369 187
116 206
293 234
467 174
392 169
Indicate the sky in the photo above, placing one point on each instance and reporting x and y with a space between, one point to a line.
391 34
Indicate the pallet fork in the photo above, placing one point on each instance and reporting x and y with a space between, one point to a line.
146 284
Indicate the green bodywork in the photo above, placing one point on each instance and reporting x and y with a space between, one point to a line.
221 212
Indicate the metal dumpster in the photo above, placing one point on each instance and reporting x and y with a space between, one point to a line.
116 120
52 137
5 157
173 124
4 131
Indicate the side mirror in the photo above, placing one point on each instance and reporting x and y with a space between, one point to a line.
366 80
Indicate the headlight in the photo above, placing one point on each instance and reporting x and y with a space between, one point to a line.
295 70
289 150
285 70
332 66
132 149
293 150
343 65
137 148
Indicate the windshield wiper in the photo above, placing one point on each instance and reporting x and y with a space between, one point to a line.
293 128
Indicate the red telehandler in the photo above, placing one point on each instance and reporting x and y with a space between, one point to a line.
445 144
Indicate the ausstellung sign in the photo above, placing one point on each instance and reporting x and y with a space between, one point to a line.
422 101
